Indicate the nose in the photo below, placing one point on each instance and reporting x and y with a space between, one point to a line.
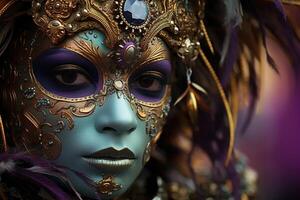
116 116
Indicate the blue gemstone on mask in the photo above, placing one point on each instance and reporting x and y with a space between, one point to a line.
136 12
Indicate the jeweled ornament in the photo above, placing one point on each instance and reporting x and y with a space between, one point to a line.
114 47
29 93
136 12
128 52
107 185
118 84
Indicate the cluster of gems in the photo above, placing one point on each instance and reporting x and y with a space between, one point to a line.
153 125
43 102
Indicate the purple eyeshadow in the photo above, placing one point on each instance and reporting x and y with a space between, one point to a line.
146 96
164 67
43 69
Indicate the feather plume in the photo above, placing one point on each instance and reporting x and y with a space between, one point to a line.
6 33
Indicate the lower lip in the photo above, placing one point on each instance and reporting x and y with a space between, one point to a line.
109 164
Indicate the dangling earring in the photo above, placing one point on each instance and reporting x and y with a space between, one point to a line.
4 147
192 95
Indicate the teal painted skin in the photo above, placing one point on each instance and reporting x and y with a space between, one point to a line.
114 124
89 135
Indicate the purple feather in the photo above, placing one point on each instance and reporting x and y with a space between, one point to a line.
279 7
231 56
38 172
44 182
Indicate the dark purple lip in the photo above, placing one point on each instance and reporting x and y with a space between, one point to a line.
111 153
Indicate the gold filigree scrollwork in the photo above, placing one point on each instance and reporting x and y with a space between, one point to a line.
51 146
68 117
101 13
86 110
59 18
78 109
142 114
162 22
156 54
56 30
65 109
88 50
30 135
107 185
60 9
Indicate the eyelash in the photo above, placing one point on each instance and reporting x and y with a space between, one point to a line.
152 89
70 68
154 74
80 77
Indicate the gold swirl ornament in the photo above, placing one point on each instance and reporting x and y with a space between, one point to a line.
107 185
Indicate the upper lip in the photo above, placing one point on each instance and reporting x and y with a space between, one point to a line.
112 153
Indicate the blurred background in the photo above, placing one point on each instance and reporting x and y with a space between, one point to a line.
272 141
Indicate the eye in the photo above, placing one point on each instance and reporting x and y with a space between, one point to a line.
149 85
66 73
150 81
71 75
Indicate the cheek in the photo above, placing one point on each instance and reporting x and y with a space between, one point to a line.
39 131
48 123
36 127
139 140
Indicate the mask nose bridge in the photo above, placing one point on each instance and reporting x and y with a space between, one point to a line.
116 116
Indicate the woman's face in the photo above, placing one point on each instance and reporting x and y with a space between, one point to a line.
94 110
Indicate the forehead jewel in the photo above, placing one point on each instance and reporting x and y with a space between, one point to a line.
144 19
